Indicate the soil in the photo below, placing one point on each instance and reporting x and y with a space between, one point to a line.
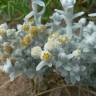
23 86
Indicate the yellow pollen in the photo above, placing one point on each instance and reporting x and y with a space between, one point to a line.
63 39
46 56
25 27
26 40
33 31
2 32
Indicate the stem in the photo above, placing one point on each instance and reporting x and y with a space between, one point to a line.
51 90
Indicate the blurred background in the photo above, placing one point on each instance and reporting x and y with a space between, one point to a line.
13 11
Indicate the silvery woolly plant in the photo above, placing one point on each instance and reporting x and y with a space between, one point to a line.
67 48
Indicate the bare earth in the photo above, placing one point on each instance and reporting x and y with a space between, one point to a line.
22 86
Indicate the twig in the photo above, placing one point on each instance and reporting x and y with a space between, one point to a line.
89 91
67 91
51 90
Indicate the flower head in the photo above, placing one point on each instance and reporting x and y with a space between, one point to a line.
46 55
33 31
26 40
36 52
54 36
7 48
76 53
2 32
25 27
50 45
63 39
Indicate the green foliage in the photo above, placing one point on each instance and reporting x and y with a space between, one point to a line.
91 2
13 9
81 5
50 6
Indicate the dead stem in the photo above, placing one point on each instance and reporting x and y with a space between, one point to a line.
51 90
89 91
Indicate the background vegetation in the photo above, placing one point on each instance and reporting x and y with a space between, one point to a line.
13 11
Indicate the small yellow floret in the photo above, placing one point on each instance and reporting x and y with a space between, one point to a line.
25 27
26 40
33 31
51 45
54 36
7 47
2 32
42 28
77 53
46 55
63 39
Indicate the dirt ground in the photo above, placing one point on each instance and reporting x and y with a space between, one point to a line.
22 86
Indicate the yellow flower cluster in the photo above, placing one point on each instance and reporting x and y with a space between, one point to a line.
2 32
25 27
63 39
77 53
7 48
53 36
51 45
26 40
42 28
46 55
37 52
32 32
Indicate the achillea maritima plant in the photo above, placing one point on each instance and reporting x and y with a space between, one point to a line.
69 48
